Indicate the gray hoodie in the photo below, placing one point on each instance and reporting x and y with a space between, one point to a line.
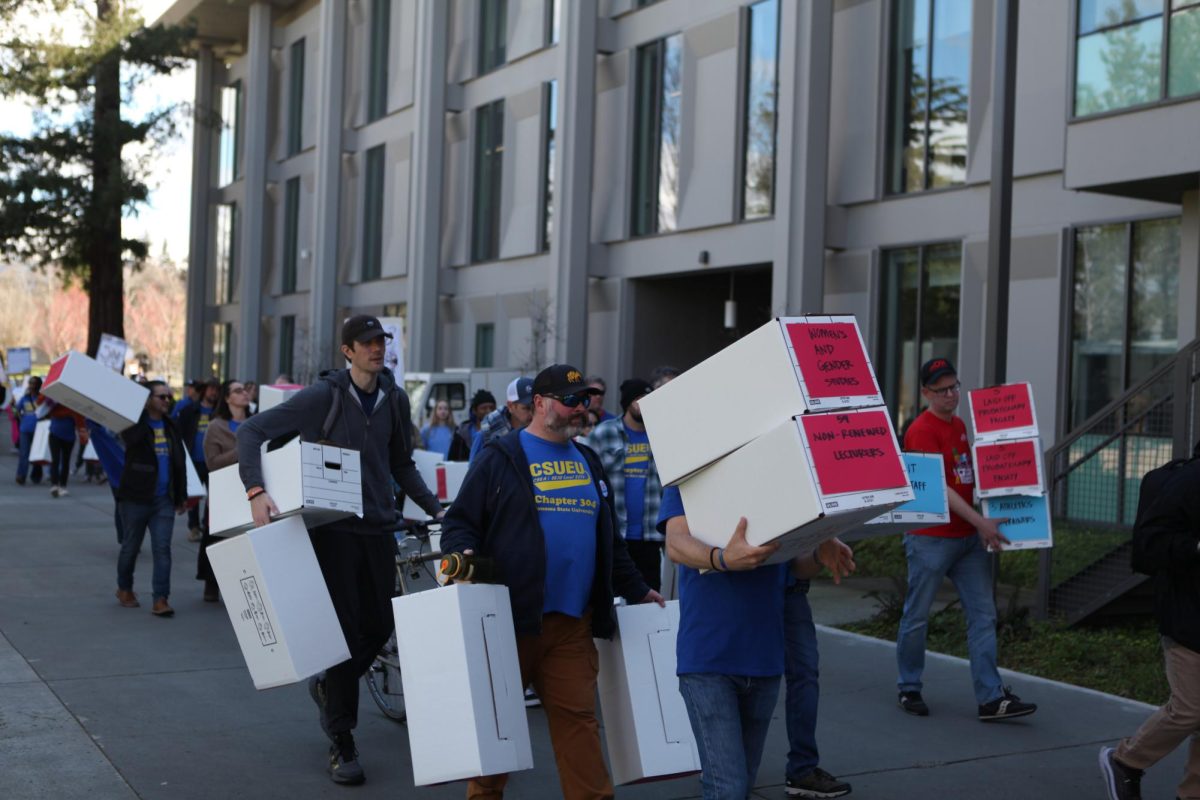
381 440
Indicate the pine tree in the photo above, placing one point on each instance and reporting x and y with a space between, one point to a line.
65 186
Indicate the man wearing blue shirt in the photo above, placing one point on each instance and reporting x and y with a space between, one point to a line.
730 647
540 507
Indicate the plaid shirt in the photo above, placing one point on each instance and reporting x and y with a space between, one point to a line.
608 440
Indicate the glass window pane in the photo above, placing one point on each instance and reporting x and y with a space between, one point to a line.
948 94
1118 68
230 128
1095 14
898 333
1184 68
295 97
372 265
1154 315
489 149
1098 321
910 79
291 234
671 125
287 344
225 274
762 71
377 81
493 33
940 302
548 163
485 345
644 204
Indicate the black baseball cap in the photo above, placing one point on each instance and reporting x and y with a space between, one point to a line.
936 368
560 380
362 328
633 389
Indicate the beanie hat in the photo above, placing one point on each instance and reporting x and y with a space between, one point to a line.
633 389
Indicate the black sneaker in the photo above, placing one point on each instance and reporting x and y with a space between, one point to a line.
913 704
1122 782
531 698
817 783
316 690
1009 706
343 761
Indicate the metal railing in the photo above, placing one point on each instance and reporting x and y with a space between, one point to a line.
1094 474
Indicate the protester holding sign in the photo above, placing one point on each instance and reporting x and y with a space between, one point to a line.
957 550
220 450
193 424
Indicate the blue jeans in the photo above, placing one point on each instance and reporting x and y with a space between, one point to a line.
730 715
803 690
159 517
965 562
25 445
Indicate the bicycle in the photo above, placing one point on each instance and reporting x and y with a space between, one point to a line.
414 551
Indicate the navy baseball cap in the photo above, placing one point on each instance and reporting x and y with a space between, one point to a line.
935 369
560 380
362 328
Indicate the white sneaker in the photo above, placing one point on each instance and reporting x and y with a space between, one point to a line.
62 491
54 491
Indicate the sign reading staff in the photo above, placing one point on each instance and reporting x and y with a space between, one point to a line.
832 361
1005 468
1000 413
854 452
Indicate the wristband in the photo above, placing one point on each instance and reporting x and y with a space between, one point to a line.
255 492
711 563
721 558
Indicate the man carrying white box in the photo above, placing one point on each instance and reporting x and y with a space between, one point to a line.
730 648
361 408
539 507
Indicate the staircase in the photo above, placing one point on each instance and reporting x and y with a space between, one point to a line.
1094 474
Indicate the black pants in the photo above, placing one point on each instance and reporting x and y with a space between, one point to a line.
648 558
194 511
60 460
360 572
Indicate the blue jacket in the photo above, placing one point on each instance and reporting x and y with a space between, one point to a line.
496 516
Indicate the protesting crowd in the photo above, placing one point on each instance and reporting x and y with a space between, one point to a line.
563 504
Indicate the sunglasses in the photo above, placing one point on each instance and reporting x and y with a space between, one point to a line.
573 400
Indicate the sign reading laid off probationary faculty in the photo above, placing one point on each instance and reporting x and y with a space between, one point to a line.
1004 468
1001 413
1028 525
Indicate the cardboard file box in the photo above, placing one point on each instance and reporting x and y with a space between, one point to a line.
1028 525
1008 467
322 483
278 603
462 683
273 394
646 723
929 507
95 391
39 448
195 487
790 366
448 479
999 413
807 480
427 463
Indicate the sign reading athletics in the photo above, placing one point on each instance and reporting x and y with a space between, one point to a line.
1004 468
831 358
853 452
1003 412
1028 525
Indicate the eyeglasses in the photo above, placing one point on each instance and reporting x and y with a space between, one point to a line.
953 388
161 396
238 390
573 400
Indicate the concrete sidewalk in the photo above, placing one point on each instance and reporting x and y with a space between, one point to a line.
98 701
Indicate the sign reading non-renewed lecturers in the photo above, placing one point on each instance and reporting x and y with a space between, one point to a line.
831 358
1004 468
853 452
1003 412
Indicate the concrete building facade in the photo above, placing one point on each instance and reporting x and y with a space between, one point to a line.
592 180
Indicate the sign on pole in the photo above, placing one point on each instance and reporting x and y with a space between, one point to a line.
112 351
20 360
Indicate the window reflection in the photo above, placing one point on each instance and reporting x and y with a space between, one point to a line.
668 165
762 80
231 122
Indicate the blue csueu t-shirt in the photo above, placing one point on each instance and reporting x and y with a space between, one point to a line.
567 505
730 623
437 439
162 449
201 429
27 412
637 464
63 428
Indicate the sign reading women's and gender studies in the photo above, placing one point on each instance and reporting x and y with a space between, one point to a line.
832 362
1000 413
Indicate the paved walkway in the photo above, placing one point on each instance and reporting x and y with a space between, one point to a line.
98 701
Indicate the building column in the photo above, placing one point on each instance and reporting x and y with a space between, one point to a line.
252 216
571 238
425 212
1189 268
323 325
802 151
203 115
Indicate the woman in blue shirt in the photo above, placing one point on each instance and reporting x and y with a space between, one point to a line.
438 434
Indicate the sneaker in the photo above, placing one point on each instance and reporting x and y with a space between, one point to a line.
193 534
54 491
913 704
127 598
531 698
316 690
162 608
343 761
62 491
817 783
1122 782
20 481
1008 706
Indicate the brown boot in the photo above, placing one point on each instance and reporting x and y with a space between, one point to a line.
127 598
162 608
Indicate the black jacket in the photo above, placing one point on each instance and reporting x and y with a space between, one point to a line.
496 516
139 478
189 426
1169 537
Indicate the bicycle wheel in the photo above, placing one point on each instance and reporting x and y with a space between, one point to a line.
384 685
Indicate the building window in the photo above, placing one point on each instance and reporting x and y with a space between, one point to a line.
656 136
377 77
287 344
930 68
918 320
553 21
295 98
548 164
489 153
373 215
1125 318
485 345
1120 48
291 234
758 124
231 133
222 346
493 31
226 261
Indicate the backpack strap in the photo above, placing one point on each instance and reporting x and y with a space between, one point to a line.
335 410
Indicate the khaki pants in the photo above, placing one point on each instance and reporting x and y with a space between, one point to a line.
562 664
1174 722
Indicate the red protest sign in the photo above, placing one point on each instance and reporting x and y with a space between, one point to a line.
1002 408
831 359
1006 467
854 452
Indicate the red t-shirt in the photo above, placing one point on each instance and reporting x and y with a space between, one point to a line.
928 434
